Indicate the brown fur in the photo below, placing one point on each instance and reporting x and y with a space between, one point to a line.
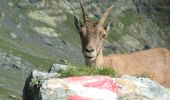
153 62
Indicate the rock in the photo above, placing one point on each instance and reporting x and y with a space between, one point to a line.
47 41
36 1
1 85
23 4
13 72
50 32
63 61
43 17
154 9
46 18
66 43
39 3
43 85
17 59
13 63
133 96
110 48
33 83
130 43
19 25
10 4
13 97
144 87
2 14
13 35
14 66
57 67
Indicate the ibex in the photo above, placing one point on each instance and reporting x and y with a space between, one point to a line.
152 62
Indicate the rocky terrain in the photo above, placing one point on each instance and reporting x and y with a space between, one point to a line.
43 85
13 72
34 34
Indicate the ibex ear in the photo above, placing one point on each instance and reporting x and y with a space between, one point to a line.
109 26
77 23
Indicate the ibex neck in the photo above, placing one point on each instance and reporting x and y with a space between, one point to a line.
99 59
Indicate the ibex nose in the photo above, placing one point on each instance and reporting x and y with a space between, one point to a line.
89 50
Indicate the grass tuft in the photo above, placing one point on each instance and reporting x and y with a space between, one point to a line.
144 75
86 71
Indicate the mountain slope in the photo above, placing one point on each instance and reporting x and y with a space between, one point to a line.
42 32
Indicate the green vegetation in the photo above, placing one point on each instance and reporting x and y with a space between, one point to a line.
80 71
69 32
114 35
36 61
15 19
129 17
10 84
5 92
7 45
164 12
0 13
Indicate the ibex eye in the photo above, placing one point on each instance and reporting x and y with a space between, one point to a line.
104 36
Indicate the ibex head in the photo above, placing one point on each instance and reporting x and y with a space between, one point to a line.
92 34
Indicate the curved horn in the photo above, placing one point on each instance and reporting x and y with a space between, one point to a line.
85 15
104 16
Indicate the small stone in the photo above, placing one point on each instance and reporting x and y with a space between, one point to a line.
13 96
23 4
48 42
1 85
19 25
63 61
10 51
14 66
13 35
10 4
66 43
50 32
57 67
54 34
2 14
17 58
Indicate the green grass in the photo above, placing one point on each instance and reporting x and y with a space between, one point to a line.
0 13
7 44
36 61
70 34
8 93
114 35
129 17
83 71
